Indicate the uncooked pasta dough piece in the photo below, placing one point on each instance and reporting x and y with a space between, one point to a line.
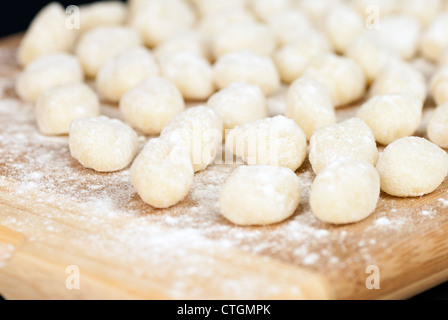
184 41
439 86
264 9
400 33
97 46
47 72
157 20
47 34
371 55
346 191
309 104
210 25
293 59
247 67
162 174
438 126
102 144
58 107
397 77
290 26
434 39
368 8
412 167
199 130
244 36
342 25
424 11
151 105
102 13
351 139
260 195
238 104
191 73
392 116
209 7
277 141
118 75
316 9
342 76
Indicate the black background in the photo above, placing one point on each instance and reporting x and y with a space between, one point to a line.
15 16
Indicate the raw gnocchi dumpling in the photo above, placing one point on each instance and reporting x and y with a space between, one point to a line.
438 126
191 73
434 39
157 20
102 144
47 34
424 11
184 41
346 191
342 76
47 72
293 59
244 36
260 195
264 9
351 139
392 116
199 130
56 108
290 26
151 105
309 104
277 141
102 13
118 75
398 77
97 46
238 104
210 7
439 86
162 174
247 67
342 25
369 7
412 167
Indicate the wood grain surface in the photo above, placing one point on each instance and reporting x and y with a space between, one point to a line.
56 217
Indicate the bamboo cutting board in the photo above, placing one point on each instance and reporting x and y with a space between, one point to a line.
68 232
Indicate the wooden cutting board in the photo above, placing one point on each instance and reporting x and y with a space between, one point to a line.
68 232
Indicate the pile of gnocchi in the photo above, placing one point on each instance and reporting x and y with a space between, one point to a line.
150 57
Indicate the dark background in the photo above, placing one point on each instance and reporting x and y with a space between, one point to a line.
16 16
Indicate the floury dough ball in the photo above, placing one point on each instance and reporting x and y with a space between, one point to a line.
398 77
198 130
264 9
158 20
162 174
247 67
210 7
424 11
244 36
343 78
392 116
439 86
118 75
97 46
412 167
47 72
438 126
309 104
191 41
346 191
260 195
192 74
342 25
293 59
151 105
47 34
238 104
102 13
58 107
277 141
351 139
290 26
102 144
434 39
